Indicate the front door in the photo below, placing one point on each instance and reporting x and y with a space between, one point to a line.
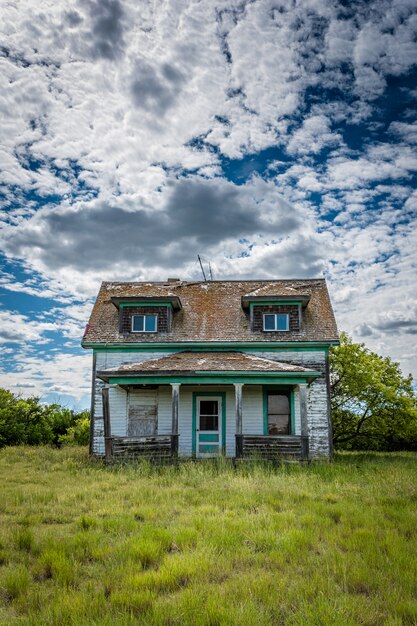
209 411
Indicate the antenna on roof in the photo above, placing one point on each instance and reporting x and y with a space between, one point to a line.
211 273
202 268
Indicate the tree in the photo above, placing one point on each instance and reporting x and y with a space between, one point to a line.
374 406
27 421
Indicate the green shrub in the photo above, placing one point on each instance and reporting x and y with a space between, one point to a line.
78 433
27 421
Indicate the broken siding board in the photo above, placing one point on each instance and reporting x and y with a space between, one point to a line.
317 411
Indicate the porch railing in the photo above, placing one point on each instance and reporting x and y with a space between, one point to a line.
154 447
272 447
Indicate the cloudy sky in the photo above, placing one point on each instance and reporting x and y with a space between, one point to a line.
275 138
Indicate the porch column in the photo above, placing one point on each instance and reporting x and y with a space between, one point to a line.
106 421
304 422
174 429
238 405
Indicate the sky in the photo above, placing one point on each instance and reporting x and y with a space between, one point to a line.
277 139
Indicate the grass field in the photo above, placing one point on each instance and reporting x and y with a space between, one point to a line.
81 543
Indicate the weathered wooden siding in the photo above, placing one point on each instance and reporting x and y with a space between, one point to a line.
317 399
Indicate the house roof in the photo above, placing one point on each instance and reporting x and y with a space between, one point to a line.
188 363
212 311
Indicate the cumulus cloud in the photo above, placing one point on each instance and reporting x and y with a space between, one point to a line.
62 376
193 213
17 328
118 118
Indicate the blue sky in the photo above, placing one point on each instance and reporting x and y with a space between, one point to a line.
275 139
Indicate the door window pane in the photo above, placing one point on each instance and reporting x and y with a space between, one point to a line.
278 413
209 415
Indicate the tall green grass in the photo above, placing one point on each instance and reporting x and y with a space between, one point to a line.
207 543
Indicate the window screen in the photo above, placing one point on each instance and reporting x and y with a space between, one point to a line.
278 413
144 323
276 321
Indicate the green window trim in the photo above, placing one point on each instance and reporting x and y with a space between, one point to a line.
196 394
217 346
267 388
126 305
274 303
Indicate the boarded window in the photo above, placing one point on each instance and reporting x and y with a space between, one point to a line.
278 413
142 415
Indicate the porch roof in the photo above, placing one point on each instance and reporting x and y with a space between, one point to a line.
204 364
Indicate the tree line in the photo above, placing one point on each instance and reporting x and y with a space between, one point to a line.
374 407
28 421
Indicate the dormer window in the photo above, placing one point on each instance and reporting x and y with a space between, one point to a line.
276 322
144 323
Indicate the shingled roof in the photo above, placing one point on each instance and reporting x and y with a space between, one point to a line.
187 363
211 311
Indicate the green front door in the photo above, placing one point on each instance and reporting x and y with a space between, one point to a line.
209 425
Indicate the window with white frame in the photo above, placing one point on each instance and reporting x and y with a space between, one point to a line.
276 321
144 323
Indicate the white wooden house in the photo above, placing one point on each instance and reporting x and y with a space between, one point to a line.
208 368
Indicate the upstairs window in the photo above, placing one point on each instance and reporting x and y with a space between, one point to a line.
276 321
144 323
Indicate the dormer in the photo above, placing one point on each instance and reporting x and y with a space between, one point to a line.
146 315
276 315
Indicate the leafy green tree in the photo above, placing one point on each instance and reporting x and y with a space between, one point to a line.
22 421
374 406
79 432
27 421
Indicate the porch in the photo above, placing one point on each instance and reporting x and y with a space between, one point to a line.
202 421
206 404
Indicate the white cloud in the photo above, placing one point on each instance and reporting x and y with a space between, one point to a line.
63 375
17 328
314 135
118 115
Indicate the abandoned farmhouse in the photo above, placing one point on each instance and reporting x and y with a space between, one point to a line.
198 369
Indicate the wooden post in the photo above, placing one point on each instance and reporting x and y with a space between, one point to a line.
238 404
329 407
304 423
174 428
93 400
106 420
